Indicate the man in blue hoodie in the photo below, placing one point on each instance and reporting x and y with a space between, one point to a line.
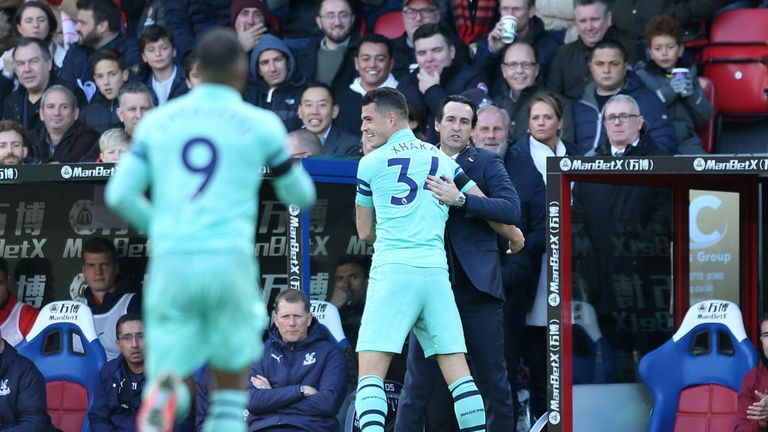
274 83
22 393
611 76
301 379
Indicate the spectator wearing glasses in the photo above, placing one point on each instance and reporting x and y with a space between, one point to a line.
610 75
416 13
330 59
121 380
520 71
625 130
530 29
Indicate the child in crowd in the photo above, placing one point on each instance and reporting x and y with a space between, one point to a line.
110 74
158 51
190 65
675 82
113 143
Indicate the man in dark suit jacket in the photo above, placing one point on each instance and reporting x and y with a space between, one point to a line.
317 112
473 259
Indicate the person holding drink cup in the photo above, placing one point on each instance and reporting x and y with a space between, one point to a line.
675 82
517 23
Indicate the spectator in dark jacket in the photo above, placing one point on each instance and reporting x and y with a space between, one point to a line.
63 138
298 18
274 82
520 70
189 19
23 404
330 59
301 379
530 29
415 14
611 76
525 308
373 63
631 16
110 74
134 100
166 79
33 69
438 74
318 112
121 380
99 28
684 98
569 74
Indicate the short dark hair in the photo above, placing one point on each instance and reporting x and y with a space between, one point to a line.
663 26
577 3
154 33
189 62
374 38
135 87
387 99
45 52
103 10
549 98
99 245
10 125
609 44
4 267
107 55
52 23
220 56
130 316
431 29
363 262
291 295
320 84
458 99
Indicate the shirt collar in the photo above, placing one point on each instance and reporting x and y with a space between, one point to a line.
344 44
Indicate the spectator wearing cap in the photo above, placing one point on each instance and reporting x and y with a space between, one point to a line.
438 74
416 13
250 20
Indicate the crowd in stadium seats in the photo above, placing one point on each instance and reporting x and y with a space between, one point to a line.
434 48
77 78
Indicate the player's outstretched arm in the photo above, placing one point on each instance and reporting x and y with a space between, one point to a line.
293 184
365 220
125 192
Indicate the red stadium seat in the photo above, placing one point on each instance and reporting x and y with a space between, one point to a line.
695 377
736 60
390 25
708 132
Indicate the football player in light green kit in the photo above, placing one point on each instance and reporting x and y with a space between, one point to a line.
201 156
409 273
